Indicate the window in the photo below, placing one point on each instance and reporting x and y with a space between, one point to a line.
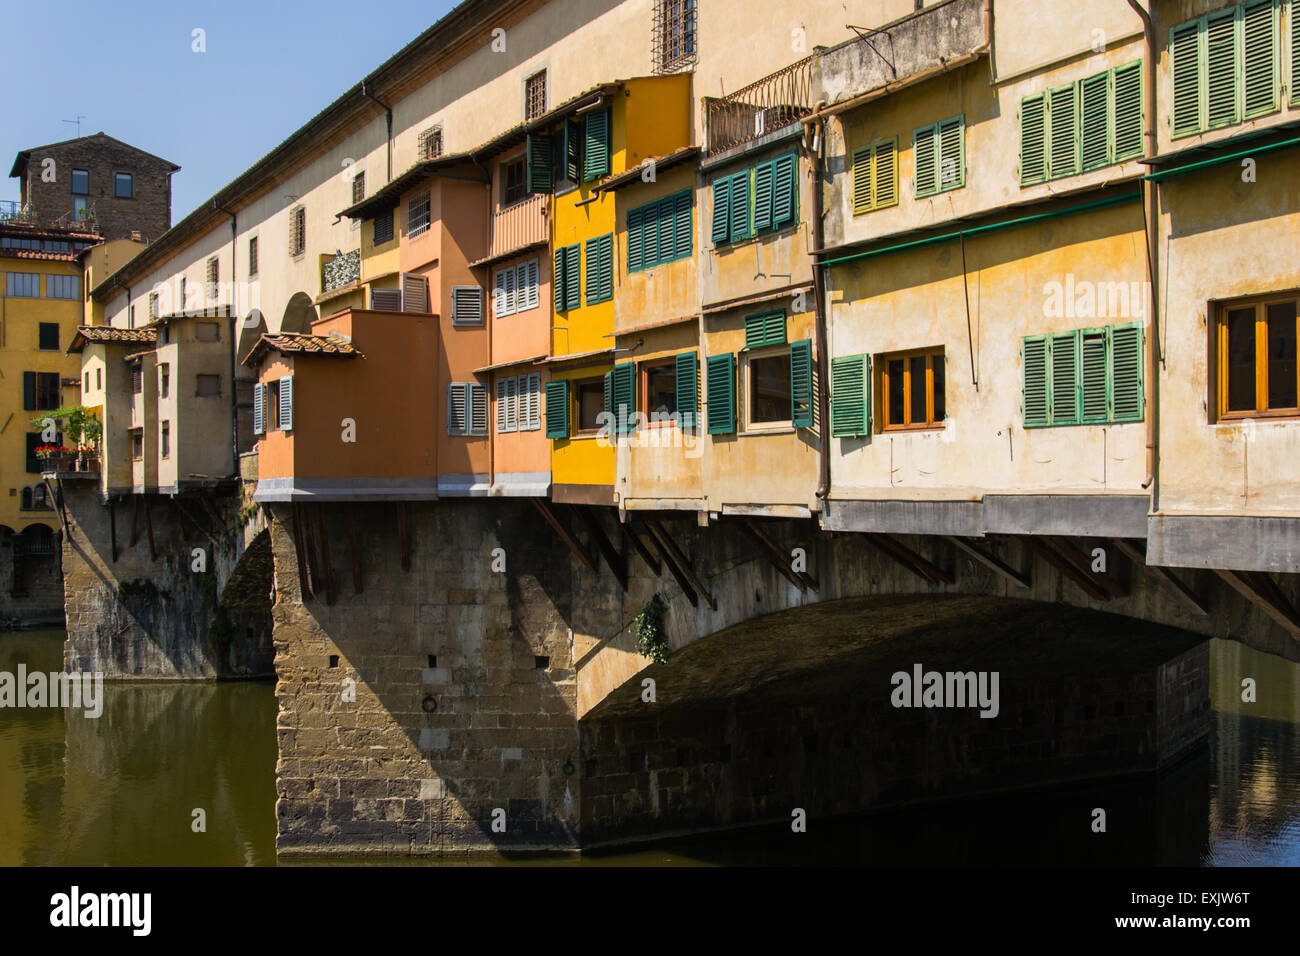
48 336
99 378
535 95
519 403
80 207
1256 358
56 245
875 176
34 441
566 280
1224 67
589 402
516 288
595 144
252 256
912 390
674 35
26 285
213 277
86 387
600 269
81 182
658 391
513 187
768 399
123 186
297 230
153 306
164 380
273 405
207 332
466 305
358 186
137 444
1084 377
1094 122
183 303
137 379
430 143
383 230
14 242
165 439
417 216
467 408
939 153
760 199
40 390
659 232
62 287
208 386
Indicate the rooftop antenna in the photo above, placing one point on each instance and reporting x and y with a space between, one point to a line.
77 122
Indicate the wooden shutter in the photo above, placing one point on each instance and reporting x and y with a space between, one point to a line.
850 395
33 460
415 293
557 280
502 299
650 234
801 384
1063 141
386 300
595 145
623 382
1221 70
722 393
740 220
512 404
885 174
1126 374
528 294
572 149
784 190
532 407
721 231
572 290
466 305
259 413
29 391
1293 45
612 418
1064 362
457 400
1094 386
537 166
478 409
1259 58
1185 70
925 156
600 269
501 406
666 230
286 404
635 238
557 409
763 182
682 225
1033 139
1033 355
764 328
1094 121
863 180
688 387
1126 134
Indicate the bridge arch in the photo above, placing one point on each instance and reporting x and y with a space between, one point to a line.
299 314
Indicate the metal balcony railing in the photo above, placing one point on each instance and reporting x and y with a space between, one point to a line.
775 101
17 212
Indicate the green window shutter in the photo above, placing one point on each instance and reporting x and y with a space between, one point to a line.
537 171
850 395
1063 144
763 174
595 145
1221 70
688 387
1126 114
1259 58
722 394
1036 407
557 409
682 230
623 382
740 210
1094 376
572 149
557 280
863 180
29 391
1033 139
785 190
924 150
1293 43
721 231
572 286
609 403
1187 93
1126 373
764 328
650 256
885 174
286 403
1094 121
667 230
801 384
1064 355
33 442
952 153
600 269
635 239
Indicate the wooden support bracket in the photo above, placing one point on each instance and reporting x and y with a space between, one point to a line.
323 537
991 561
1164 576
554 521
647 555
148 523
1085 581
675 556
300 552
616 561
1108 582
1260 590
769 549
352 549
916 563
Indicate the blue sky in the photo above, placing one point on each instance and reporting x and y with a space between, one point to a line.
129 69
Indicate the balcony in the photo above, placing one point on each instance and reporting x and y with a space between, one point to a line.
83 465
517 226
342 270
17 212
774 102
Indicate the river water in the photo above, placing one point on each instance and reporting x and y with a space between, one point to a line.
125 789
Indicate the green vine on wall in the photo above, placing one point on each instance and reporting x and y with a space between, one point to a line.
651 641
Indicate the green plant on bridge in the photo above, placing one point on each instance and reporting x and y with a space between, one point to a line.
78 423
651 641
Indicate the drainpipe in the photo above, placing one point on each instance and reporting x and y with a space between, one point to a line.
234 325
819 311
491 315
1151 225
388 116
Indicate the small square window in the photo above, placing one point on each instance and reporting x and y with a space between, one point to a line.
209 386
912 390
383 229
207 332
164 381
123 186
513 187
252 256
137 444
589 395
81 182
658 391
535 95
166 439
358 186
417 216
49 336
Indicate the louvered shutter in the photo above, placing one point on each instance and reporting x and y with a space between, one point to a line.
721 230
784 185
863 180
635 239
1186 95
688 388
600 269
1126 135
801 384
415 293
557 280
1033 354
682 231
1221 70
466 305
259 413
572 149
740 220
765 328
650 234
29 391
1033 139
537 167
286 403
763 182
501 406
512 290
512 404
1126 374
528 295
667 230
386 300
457 400
533 406
1095 385
885 174
1259 58
1293 45
1094 121
1064 355
478 422
722 394
610 415
595 145
624 385
572 286
850 396
1063 144
924 153
557 409
500 296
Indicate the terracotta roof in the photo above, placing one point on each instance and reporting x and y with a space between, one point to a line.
140 353
301 343
575 356
94 334
38 254
630 176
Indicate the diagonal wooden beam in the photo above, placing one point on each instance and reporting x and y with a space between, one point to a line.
674 554
770 551
554 521
1085 582
135 515
1258 588
300 552
353 551
679 576
616 561
112 525
647 555
323 537
1165 577
916 563
148 523
1083 562
806 579
991 561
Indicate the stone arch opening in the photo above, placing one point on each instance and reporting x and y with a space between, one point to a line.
250 330
299 314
